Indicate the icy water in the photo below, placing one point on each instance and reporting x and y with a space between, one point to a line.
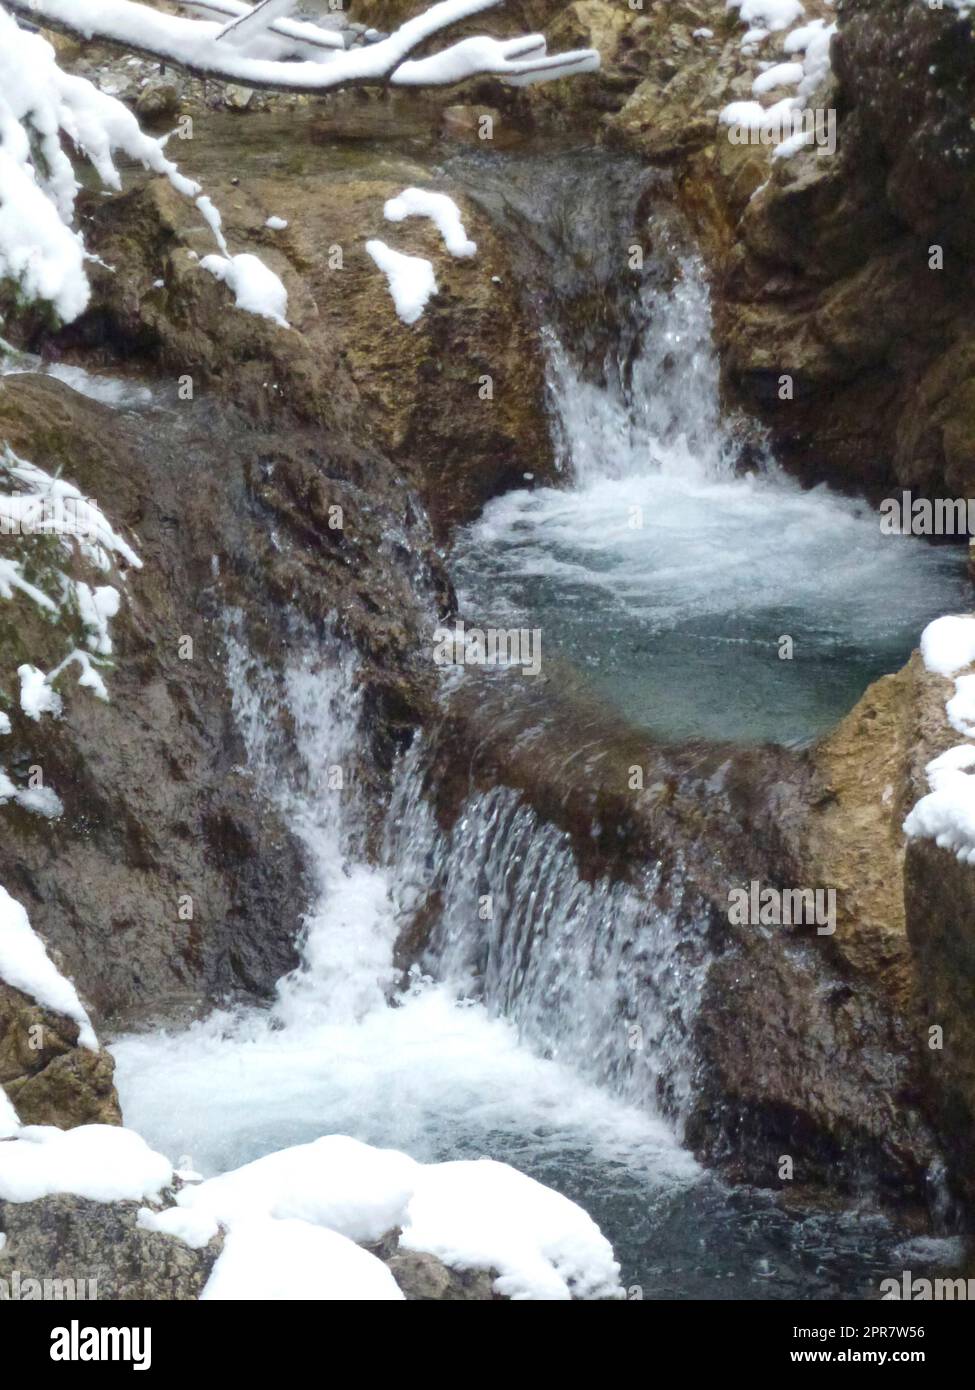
669 579
438 1075
701 595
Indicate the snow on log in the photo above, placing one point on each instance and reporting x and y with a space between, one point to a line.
197 46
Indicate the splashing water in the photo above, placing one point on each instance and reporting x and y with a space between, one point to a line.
555 1088
430 1071
584 1001
672 582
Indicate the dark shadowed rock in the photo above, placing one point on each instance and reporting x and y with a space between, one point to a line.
833 283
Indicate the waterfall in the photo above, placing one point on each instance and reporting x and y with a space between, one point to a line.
655 407
428 1069
598 976
702 591
546 1021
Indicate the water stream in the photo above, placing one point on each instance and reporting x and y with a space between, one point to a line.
441 1075
518 1043
681 556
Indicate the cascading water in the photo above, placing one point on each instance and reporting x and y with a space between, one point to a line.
668 576
595 975
431 1071
554 1011
428 1071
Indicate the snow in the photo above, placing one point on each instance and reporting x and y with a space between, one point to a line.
773 15
214 221
38 187
197 44
948 644
305 37
41 801
947 814
39 247
43 256
482 1214
472 1214
89 678
337 1182
411 279
104 1163
9 1123
750 114
267 1259
45 505
37 696
256 288
25 964
813 41
781 75
790 123
276 224
194 1228
97 607
40 505
442 211
252 23
961 707
11 578
520 61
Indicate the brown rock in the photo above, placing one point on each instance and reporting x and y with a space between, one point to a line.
425 1279
455 400
73 1239
48 1076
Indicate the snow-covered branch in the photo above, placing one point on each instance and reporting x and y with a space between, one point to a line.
259 52
304 36
48 117
39 250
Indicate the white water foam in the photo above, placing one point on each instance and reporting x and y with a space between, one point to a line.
671 578
428 1072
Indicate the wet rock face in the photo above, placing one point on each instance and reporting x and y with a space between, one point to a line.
804 1058
157 814
455 400
802 1045
833 282
424 1278
49 1078
159 809
939 907
821 266
98 1251
230 500
940 898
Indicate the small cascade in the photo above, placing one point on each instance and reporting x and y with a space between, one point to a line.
547 1020
700 590
597 976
